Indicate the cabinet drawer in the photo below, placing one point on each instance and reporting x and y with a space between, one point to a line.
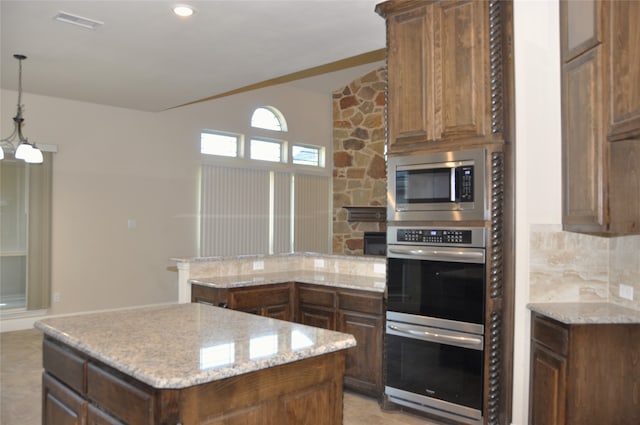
207 295
65 364
60 405
248 298
360 301
317 296
128 401
550 334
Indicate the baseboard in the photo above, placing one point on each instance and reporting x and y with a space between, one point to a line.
24 319
20 320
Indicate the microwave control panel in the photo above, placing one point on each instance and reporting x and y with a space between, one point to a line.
433 236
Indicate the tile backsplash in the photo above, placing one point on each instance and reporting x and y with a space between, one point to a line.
624 269
574 267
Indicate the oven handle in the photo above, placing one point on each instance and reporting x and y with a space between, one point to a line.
439 254
471 342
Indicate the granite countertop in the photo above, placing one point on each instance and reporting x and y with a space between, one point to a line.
587 313
368 283
182 345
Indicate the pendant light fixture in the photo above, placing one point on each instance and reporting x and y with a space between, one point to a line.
24 150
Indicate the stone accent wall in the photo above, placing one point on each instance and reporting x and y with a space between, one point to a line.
359 170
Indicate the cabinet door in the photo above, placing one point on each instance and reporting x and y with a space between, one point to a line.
547 387
320 405
461 58
624 191
266 300
624 61
317 316
60 404
580 28
584 154
364 361
410 61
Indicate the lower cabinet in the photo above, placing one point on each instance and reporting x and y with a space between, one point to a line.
77 390
316 306
286 394
356 312
60 404
273 301
586 374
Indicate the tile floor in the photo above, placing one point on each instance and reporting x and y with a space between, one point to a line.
20 387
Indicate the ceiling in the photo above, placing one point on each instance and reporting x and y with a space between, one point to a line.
144 57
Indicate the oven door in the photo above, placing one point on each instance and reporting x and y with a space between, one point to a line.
437 286
435 370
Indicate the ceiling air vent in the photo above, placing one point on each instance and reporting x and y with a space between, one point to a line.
77 20
366 213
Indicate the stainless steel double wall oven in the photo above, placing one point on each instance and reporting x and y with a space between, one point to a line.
436 283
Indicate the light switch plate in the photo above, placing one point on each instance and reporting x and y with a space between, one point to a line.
258 265
318 263
626 292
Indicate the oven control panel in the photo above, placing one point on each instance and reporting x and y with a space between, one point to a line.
434 236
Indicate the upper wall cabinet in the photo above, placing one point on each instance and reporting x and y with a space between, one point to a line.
445 68
600 43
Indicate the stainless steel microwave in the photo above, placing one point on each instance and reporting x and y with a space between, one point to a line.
438 186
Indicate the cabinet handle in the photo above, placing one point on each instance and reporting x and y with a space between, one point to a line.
437 337
223 305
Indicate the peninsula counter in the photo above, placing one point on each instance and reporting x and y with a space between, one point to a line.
189 364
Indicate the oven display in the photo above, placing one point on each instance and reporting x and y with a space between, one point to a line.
434 236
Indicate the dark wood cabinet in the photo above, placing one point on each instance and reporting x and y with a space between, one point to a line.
77 390
361 314
60 404
600 115
273 301
444 68
316 306
285 394
356 312
584 374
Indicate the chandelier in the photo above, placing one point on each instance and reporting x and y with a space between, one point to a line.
17 143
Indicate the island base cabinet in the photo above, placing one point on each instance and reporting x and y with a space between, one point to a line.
304 392
307 391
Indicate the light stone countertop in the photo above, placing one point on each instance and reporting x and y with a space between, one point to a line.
587 313
368 283
182 345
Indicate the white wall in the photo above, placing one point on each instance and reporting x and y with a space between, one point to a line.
538 167
114 165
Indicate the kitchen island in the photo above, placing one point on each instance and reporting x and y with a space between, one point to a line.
190 364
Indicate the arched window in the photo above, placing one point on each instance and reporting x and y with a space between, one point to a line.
268 118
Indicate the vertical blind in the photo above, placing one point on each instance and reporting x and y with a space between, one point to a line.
248 211
311 214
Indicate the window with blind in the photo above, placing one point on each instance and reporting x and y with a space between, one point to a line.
247 211
275 199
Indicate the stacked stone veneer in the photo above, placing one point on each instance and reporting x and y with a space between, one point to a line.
359 174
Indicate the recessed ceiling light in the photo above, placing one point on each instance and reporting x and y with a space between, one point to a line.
183 10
